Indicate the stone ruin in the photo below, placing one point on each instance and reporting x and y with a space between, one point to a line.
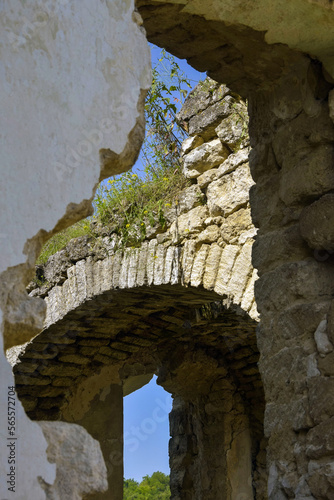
237 321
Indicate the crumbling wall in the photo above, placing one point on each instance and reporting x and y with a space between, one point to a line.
292 162
66 94
181 303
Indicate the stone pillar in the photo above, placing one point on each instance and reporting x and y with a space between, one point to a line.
210 449
104 421
292 163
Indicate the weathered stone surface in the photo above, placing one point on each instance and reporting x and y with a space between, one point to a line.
81 470
233 161
204 180
190 198
226 264
230 192
316 225
190 223
236 224
321 398
201 97
203 158
276 247
309 177
324 345
140 304
191 143
205 123
321 480
233 131
210 234
320 440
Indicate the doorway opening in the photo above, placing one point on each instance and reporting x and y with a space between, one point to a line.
146 438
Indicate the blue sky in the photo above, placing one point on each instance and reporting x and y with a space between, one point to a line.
146 426
192 75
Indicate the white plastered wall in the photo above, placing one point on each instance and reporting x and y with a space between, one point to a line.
71 78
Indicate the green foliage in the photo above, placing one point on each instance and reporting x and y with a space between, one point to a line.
129 204
60 240
155 487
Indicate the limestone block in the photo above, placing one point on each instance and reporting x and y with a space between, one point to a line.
57 265
267 208
236 224
117 265
210 234
299 321
53 305
199 266
233 130
204 94
81 470
171 269
211 266
192 222
133 265
241 272
248 296
189 198
324 346
89 276
78 248
72 298
191 143
291 282
203 158
320 440
321 398
188 255
198 100
205 123
276 247
326 364
247 235
253 312
151 261
310 176
285 374
204 180
141 271
317 223
232 162
106 273
226 264
159 264
230 192
123 277
97 277
321 479
80 272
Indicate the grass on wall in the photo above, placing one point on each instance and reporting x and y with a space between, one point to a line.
130 203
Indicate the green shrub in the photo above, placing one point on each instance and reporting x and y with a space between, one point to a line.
129 203
60 240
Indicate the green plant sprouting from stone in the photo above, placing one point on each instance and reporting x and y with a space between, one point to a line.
128 204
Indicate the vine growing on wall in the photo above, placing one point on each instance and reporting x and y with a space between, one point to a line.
134 201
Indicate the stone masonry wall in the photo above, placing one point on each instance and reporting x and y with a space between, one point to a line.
292 162
208 236
182 302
